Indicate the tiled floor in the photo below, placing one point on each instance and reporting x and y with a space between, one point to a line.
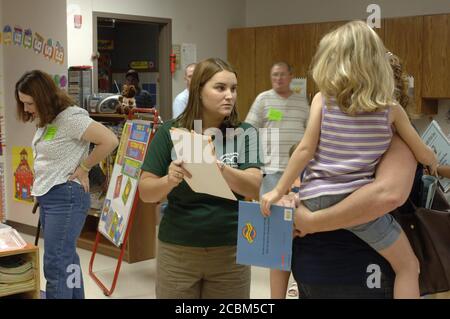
138 280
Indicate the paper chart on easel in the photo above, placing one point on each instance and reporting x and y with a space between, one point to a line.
124 180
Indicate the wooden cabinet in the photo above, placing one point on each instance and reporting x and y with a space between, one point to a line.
436 56
404 37
421 42
241 54
410 51
253 51
291 44
301 36
29 253
325 27
272 44
263 58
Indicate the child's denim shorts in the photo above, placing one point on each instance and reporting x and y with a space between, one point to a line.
379 233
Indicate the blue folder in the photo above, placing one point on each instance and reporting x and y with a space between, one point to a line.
265 241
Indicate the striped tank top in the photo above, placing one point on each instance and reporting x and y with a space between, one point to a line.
349 149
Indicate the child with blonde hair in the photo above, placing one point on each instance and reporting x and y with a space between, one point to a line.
350 127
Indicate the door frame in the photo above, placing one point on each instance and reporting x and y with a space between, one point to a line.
165 48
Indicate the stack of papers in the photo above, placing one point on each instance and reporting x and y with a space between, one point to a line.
14 269
10 238
16 275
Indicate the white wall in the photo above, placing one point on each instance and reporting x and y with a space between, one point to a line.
281 12
48 18
202 22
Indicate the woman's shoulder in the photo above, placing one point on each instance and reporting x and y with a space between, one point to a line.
71 111
269 94
246 129
74 109
168 125
245 126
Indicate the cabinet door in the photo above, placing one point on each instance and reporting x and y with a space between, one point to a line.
304 40
436 62
404 37
294 44
272 45
241 54
325 27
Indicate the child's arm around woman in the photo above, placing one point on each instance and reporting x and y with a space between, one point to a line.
300 158
421 151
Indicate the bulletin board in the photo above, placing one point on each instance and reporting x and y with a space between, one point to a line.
124 180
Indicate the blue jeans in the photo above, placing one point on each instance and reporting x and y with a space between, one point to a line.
63 211
380 233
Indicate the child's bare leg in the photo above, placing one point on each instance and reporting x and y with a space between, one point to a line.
279 280
406 266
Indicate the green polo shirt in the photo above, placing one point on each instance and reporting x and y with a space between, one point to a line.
197 219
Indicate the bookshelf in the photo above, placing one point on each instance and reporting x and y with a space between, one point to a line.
29 253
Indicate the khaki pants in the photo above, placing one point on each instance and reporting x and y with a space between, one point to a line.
207 273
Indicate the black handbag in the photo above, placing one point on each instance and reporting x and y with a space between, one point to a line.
428 231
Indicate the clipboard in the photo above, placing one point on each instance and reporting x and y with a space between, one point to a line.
199 158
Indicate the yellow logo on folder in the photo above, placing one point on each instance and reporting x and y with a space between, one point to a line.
249 232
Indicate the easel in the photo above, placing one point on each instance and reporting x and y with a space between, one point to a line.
106 291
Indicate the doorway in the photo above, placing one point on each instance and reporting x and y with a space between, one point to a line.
134 42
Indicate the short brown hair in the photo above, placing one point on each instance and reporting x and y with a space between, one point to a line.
283 63
49 99
133 73
203 72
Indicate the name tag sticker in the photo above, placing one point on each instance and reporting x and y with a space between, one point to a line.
50 133
275 115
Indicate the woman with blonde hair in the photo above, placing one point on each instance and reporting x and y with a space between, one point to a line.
349 130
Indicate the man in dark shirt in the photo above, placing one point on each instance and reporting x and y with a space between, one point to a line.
143 97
